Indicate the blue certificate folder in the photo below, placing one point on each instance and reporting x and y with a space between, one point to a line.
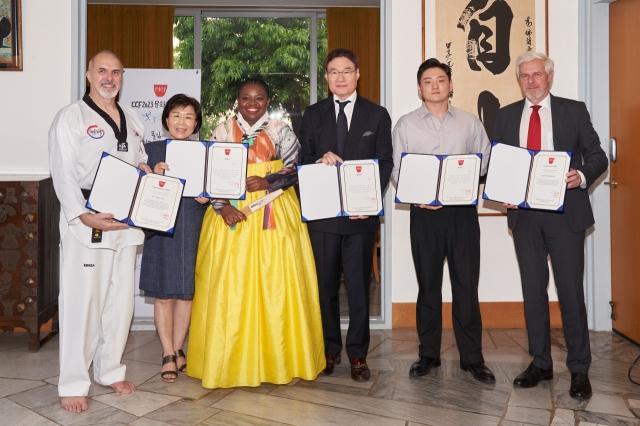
143 200
212 169
351 188
526 178
439 180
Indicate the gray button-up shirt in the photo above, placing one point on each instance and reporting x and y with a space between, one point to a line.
420 132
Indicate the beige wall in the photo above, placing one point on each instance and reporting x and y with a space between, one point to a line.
31 98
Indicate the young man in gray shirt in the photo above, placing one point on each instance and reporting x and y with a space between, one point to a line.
444 232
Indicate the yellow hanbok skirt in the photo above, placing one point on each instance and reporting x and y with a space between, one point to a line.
256 312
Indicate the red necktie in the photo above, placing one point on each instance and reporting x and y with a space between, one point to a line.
535 130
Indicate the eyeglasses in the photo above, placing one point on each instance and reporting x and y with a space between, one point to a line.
346 73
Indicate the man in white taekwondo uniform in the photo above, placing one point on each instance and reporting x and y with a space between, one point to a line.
98 253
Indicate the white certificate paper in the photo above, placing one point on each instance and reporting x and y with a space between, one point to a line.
527 179
459 180
187 159
418 179
360 185
319 192
439 180
508 174
227 170
547 185
114 187
134 197
156 204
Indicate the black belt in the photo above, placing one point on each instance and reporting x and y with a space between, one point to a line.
86 193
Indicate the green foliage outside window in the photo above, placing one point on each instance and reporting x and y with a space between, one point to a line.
276 50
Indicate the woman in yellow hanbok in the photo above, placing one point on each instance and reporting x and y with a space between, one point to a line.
256 313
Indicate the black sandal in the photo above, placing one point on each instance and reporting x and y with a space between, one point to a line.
173 374
183 368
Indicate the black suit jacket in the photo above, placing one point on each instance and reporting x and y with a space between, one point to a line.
572 131
369 137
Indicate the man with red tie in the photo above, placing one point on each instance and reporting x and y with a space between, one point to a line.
542 121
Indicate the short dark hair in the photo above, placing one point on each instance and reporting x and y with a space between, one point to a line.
254 80
182 101
433 63
341 52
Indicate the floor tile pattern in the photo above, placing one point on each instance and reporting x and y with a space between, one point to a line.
447 396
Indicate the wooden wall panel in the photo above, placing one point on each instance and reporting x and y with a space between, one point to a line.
142 36
358 29
494 315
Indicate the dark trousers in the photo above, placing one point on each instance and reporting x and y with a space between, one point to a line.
536 235
354 254
452 233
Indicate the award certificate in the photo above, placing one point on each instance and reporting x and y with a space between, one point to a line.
227 170
525 178
156 205
460 179
439 180
360 182
547 185
148 201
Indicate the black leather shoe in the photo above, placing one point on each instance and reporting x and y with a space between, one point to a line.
332 361
479 371
532 376
423 365
580 385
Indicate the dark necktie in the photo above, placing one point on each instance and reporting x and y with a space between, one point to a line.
343 128
535 130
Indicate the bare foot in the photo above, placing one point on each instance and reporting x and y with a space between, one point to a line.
123 387
75 404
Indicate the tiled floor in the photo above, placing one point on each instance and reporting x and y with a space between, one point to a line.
447 396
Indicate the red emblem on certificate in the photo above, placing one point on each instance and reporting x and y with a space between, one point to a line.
460 162
227 151
551 160
161 183
160 90
358 169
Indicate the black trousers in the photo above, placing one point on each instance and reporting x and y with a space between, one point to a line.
352 253
536 235
452 233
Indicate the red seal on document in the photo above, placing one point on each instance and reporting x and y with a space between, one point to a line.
95 132
160 90
551 160
161 183
460 162
227 151
358 169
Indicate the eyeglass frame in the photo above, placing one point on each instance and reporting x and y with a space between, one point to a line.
345 73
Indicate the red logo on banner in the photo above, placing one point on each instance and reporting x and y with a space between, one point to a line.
358 169
160 90
460 162
161 183
227 151
551 160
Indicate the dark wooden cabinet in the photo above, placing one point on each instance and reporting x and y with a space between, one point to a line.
29 257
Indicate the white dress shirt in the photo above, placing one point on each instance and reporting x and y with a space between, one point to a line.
546 127
546 135
348 108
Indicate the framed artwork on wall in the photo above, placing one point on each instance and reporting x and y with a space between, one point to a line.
10 35
480 40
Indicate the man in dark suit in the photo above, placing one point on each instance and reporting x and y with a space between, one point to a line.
345 126
543 121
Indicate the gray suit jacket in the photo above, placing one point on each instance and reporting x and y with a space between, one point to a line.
572 131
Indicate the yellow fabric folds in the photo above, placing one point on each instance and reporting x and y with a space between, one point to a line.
256 313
